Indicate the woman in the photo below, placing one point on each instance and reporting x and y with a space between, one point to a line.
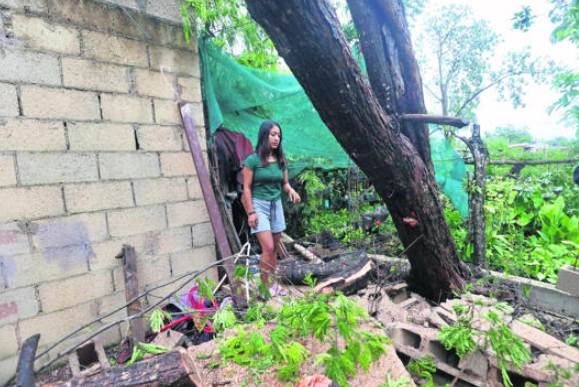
264 176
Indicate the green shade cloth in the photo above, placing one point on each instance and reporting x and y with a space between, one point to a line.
241 98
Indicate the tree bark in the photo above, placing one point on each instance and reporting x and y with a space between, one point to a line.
392 68
170 369
309 38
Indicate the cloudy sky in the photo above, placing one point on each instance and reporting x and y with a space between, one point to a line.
492 113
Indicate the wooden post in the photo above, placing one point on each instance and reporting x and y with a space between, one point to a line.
129 257
211 202
477 219
25 368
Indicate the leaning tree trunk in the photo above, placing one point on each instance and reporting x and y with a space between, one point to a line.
392 68
309 38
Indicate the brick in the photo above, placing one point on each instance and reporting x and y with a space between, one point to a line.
170 10
173 240
91 75
8 366
167 112
8 340
177 164
194 188
198 258
203 234
159 138
187 213
105 253
58 295
128 165
156 84
29 67
136 221
36 202
13 240
201 137
93 226
153 269
31 135
53 264
98 196
7 171
53 326
82 13
101 137
32 5
176 61
43 102
114 49
38 33
123 108
159 191
46 168
18 304
190 89
8 100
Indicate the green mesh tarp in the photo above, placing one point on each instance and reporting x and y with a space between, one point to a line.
241 98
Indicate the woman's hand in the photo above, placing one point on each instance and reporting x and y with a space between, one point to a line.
294 197
252 220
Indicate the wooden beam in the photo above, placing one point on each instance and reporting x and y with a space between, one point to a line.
129 257
457 122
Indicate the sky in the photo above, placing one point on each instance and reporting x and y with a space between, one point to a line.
492 113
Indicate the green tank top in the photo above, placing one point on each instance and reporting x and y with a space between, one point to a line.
267 181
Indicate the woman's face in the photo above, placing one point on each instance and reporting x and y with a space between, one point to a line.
274 137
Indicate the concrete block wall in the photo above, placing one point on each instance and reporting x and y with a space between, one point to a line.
92 156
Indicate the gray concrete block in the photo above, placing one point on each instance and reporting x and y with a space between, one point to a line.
568 280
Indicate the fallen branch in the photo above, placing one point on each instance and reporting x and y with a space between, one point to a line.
528 162
307 254
457 122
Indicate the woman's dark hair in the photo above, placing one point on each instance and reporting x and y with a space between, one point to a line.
262 148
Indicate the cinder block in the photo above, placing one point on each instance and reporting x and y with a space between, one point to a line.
31 135
187 213
46 168
114 49
544 341
203 234
128 165
62 294
136 221
91 75
29 67
37 6
13 240
8 339
194 188
173 240
98 196
155 191
124 108
159 138
105 252
101 137
198 258
156 84
94 226
53 326
190 89
45 102
30 203
38 33
568 280
17 305
8 366
170 10
153 269
8 100
82 13
7 171
176 61
34 269
167 112
177 164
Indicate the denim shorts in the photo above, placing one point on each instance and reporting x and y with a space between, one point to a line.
269 216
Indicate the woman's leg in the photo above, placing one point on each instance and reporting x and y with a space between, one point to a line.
268 260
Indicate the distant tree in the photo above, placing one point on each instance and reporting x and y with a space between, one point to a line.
455 53
511 134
